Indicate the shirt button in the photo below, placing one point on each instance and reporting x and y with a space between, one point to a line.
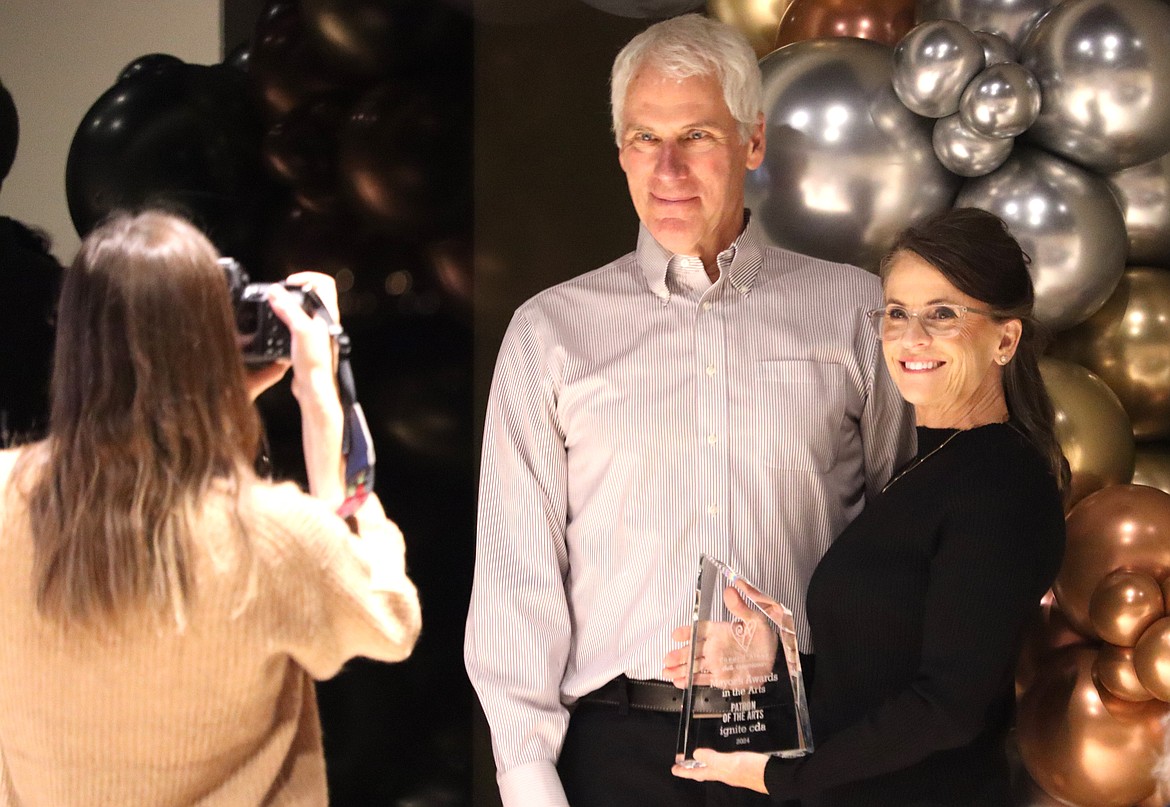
710 369
711 439
707 306
712 509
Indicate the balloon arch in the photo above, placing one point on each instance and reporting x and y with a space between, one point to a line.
1056 117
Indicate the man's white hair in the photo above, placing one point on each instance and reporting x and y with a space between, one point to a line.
686 46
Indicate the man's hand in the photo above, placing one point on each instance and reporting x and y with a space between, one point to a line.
737 654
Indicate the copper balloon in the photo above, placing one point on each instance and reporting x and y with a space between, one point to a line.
1049 632
1159 798
1119 527
1091 425
1124 604
1151 467
885 21
758 20
1115 671
1127 343
1083 746
1151 659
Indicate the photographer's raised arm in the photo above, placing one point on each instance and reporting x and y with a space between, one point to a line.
314 384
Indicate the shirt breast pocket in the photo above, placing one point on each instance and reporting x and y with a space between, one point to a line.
803 404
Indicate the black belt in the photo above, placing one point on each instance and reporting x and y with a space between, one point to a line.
657 696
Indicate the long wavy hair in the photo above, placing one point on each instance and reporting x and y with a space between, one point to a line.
974 250
149 413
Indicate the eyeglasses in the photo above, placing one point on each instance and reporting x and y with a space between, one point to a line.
943 320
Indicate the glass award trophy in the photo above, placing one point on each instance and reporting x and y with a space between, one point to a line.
744 686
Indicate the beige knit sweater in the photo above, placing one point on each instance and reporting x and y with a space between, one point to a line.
221 712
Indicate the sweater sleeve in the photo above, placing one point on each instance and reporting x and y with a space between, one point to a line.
992 562
339 595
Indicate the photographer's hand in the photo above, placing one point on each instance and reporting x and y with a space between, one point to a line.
314 384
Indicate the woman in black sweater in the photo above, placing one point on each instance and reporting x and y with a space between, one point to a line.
918 608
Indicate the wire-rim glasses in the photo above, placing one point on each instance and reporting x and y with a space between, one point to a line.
942 319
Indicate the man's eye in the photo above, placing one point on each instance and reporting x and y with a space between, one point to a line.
696 135
643 137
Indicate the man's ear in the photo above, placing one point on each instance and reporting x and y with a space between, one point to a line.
755 144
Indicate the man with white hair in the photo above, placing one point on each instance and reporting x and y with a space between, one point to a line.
705 393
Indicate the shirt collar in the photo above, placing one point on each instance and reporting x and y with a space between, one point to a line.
740 263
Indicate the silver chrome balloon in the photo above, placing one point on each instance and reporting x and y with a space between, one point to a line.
966 152
996 49
1104 72
1067 220
1144 193
847 166
932 65
1002 101
1011 19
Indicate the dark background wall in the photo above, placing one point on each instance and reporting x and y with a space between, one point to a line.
549 202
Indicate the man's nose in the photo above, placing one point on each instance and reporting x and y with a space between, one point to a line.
670 160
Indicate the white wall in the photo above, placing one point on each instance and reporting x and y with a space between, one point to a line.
56 58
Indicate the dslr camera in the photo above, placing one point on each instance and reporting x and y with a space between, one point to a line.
264 338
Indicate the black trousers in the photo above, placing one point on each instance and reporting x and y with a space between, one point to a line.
616 757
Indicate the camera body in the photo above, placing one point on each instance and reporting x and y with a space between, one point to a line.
264 338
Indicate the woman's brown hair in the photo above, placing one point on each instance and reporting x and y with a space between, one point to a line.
974 250
149 413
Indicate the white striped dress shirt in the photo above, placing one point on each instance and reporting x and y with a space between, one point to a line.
641 415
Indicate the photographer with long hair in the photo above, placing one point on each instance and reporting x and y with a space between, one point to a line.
163 610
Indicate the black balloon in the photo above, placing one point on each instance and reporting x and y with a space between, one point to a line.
286 68
152 63
406 159
305 240
239 57
372 38
9 131
300 149
658 9
186 139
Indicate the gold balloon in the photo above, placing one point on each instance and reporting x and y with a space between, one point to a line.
1127 344
1123 605
885 21
1119 527
1083 746
1115 671
758 20
1151 466
1151 659
1091 427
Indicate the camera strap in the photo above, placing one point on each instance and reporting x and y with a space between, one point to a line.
356 445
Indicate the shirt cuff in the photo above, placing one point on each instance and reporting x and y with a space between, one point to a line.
535 784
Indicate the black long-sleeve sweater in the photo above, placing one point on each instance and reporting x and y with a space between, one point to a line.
917 612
